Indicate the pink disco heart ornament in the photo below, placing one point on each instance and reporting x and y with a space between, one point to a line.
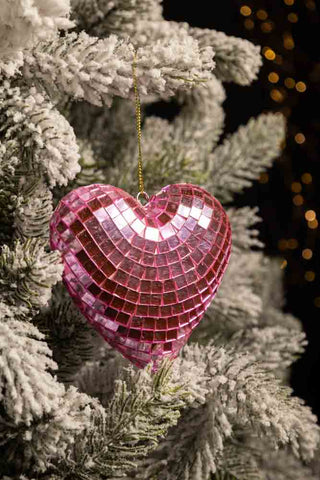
143 276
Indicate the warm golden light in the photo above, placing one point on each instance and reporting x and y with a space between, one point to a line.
301 87
293 17
313 224
283 265
296 187
288 41
292 243
249 24
307 253
298 200
289 2
267 27
245 10
300 138
310 215
282 244
262 14
310 4
276 95
289 82
309 276
306 178
269 54
273 77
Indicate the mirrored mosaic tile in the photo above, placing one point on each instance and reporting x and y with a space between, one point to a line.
142 275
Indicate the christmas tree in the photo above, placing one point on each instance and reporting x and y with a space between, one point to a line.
72 407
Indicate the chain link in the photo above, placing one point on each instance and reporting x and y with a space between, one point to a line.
138 124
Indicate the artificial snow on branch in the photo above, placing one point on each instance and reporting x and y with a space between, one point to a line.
95 69
25 361
240 395
139 413
99 17
243 156
177 149
201 119
35 133
277 464
71 339
237 60
97 128
28 273
33 209
238 461
24 23
275 348
39 418
244 237
237 299
8 191
165 159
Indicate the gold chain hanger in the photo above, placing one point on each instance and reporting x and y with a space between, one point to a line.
141 193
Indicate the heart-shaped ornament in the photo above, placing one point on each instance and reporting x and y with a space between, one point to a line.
143 276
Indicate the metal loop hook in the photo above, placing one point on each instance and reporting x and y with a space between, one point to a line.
143 195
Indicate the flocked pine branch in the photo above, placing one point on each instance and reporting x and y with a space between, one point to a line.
96 69
8 192
23 24
271 286
36 134
247 457
272 317
240 395
141 410
238 461
165 160
100 17
201 119
281 466
176 151
275 348
237 301
244 228
277 464
39 419
97 377
236 163
97 127
71 338
28 273
237 60
20 367
33 209
258 315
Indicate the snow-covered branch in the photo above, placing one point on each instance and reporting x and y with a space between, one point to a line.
95 69
36 135
244 155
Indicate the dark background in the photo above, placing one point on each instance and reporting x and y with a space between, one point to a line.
288 30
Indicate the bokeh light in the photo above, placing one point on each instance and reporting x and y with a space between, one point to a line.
307 253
